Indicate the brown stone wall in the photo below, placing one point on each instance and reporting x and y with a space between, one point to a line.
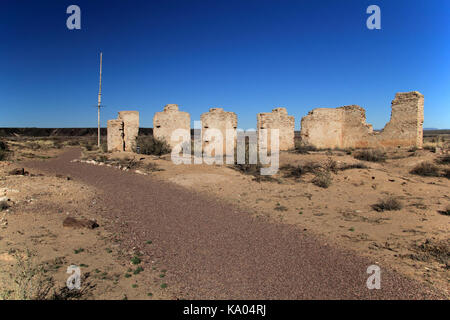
123 131
130 128
221 120
278 119
346 127
115 135
167 121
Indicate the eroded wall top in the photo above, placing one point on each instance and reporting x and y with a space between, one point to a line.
346 127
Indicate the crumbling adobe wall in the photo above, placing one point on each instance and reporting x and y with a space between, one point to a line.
115 135
221 120
405 128
130 129
123 131
346 127
278 119
169 120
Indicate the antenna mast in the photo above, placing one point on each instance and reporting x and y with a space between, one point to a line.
99 101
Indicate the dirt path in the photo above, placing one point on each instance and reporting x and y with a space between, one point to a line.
214 251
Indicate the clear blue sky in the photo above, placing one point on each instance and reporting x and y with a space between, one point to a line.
247 56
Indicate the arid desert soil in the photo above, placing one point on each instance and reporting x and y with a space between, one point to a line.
413 240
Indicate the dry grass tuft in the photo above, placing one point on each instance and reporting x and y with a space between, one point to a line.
373 155
426 169
388 204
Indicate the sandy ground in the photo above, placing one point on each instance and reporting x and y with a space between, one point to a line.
33 226
341 215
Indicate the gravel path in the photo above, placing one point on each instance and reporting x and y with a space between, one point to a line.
212 250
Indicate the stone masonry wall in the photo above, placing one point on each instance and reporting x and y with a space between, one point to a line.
123 131
115 135
346 127
278 119
221 120
167 121
130 129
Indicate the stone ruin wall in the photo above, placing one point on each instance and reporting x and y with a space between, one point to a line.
167 121
221 120
346 127
278 119
343 127
123 131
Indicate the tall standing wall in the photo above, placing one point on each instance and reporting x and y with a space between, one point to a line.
346 127
223 121
169 120
277 119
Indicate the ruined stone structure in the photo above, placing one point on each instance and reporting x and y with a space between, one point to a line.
278 119
123 131
221 120
167 121
346 127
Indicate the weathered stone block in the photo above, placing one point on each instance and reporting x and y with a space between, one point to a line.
346 127
130 129
123 131
278 119
169 120
224 122
115 135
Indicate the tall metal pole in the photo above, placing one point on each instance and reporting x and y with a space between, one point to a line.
99 100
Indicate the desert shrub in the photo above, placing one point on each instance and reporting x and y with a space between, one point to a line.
33 145
4 151
373 155
28 281
432 249
303 148
3 155
322 179
125 162
426 169
3 146
446 211
298 171
151 146
446 173
73 142
101 158
388 204
331 165
151 167
445 159
255 171
104 147
3 205
358 165
89 146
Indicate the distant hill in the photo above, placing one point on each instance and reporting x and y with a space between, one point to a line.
60 132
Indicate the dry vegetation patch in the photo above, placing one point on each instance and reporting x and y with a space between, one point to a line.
388 204
373 155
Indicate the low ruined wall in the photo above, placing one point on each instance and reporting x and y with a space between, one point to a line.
115 135
278 119
223 121
130 128
167 121
123 131
346 127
